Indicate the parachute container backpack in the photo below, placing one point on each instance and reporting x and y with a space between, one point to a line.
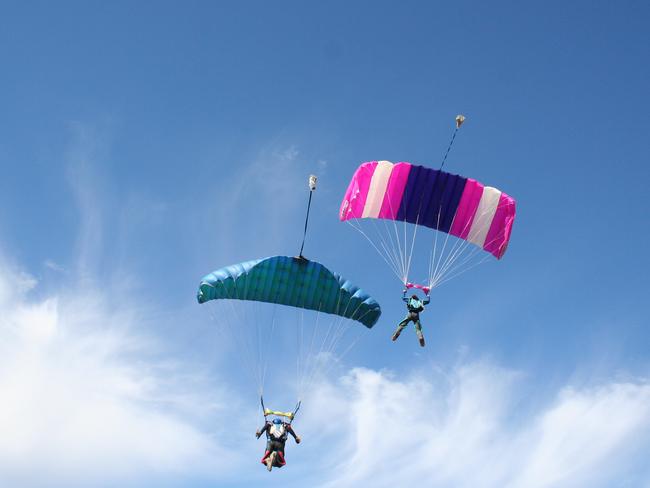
396 206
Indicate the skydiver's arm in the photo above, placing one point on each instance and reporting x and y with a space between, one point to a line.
262 430
426 300
295 436
404 297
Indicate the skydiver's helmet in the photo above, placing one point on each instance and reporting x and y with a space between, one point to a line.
277 421
415 297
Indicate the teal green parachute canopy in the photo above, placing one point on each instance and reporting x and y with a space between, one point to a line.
293 281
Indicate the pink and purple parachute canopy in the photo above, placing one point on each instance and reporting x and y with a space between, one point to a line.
450 203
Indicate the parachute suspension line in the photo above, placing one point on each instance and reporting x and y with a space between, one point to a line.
456 270
407 264
237 341
457 258
386 242
402 255
259 353
329 343
393 246
262 344
299 346
300 318
454 254
390 246
442 251
395 250
342 330
482 221
304 356
433 259
310 355
244 348
310 358
312 187
457 250
459 121
453 275
358 228
415 232
256 354
404 276
323 360
445 262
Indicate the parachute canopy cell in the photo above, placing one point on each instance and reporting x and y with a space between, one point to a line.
450 203
291 281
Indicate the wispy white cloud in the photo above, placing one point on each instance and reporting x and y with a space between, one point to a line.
84 155
53 265
472 427
260 205
90 396
86 399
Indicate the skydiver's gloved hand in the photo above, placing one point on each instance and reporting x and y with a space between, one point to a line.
298 439
258 434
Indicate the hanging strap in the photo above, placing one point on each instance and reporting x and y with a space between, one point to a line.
295 411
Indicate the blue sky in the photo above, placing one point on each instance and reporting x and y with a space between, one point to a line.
144 145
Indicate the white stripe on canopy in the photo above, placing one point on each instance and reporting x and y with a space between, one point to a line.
487 207
377 189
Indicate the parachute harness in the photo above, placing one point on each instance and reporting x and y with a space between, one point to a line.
289 415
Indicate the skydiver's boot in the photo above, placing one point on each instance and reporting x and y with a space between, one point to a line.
270 460
400 328
418 332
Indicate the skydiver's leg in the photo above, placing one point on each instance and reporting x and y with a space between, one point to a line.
267 453
418 331
401 326
279 460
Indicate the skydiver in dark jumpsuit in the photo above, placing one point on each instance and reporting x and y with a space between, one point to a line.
277 433
415 306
